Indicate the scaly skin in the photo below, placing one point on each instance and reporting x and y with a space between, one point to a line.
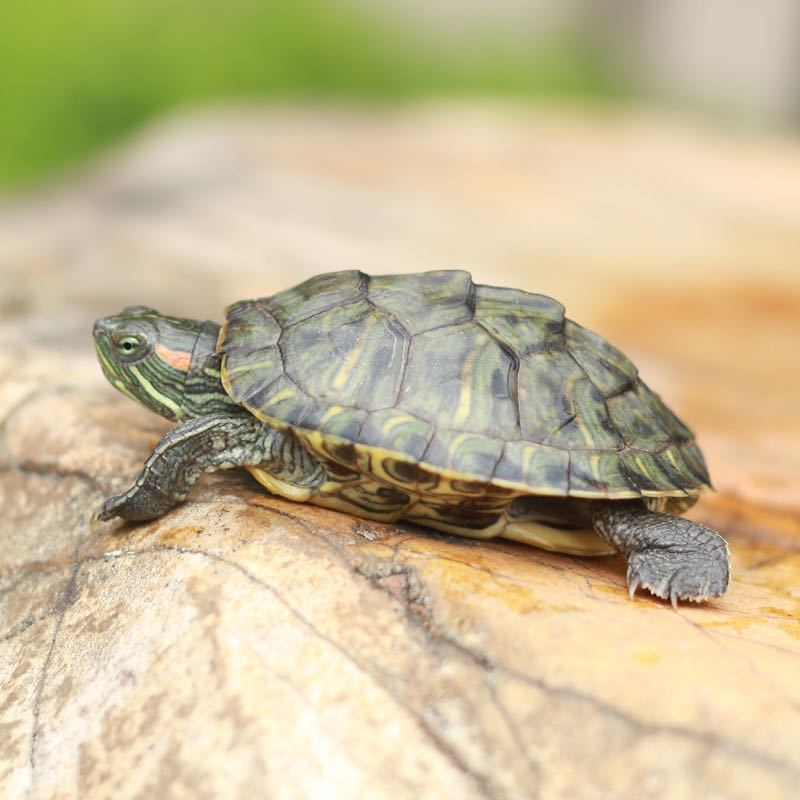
670 556
217 441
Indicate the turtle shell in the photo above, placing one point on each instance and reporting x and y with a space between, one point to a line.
430 379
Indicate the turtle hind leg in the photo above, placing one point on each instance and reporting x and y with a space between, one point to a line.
672 557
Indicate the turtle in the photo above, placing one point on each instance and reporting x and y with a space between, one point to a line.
471 409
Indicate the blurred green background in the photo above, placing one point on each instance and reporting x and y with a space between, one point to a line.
77 74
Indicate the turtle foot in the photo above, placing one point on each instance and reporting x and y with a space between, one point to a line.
672 557
135 505
679 573
117 506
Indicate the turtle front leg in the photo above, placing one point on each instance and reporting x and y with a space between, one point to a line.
216 441
672 557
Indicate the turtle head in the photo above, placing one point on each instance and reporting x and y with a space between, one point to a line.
167 364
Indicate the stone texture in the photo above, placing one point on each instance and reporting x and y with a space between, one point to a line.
244 646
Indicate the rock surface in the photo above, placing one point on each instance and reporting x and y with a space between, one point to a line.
244 646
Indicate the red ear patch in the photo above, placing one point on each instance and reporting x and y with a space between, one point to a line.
175 358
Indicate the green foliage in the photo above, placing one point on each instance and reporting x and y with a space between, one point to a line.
75 74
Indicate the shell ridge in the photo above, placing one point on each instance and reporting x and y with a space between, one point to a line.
471 299
231 323
319 292
437 327
552 339
316 314
632 386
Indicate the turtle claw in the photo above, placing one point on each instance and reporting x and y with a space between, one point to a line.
672 557
95 520
125 505
665 574
105 512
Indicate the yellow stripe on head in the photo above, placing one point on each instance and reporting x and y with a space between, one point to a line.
159 397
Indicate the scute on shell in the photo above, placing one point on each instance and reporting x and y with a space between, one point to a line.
471 383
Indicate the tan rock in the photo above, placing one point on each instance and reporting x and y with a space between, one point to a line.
244 646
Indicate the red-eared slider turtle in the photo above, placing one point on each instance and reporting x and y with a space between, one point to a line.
471 409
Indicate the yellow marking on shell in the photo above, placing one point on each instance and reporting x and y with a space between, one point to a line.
248 367
151 391
333 501
178 359
526 461
379 471
393 422
465 398
446 486
594 467
586 433
330 413
457 440
670 454
284 395
314 440
656 492
464 405
640 464
663 493
353 357
277 486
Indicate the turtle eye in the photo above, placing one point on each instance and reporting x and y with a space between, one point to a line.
128 346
